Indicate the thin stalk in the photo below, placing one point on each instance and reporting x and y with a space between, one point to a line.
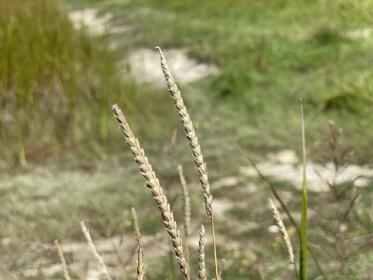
214 245
303 225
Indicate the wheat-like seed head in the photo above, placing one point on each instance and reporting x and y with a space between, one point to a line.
156 190
186 197
201 255
284 232
99 259
62 260
190 134
136 225
140 267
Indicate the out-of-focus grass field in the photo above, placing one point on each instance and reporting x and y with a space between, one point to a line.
63 160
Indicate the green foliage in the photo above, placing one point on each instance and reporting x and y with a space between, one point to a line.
52 78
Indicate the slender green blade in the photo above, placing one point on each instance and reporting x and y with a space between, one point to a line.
303 225
288 214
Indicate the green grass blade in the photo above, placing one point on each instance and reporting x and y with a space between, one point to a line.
284 208
303 225
275 194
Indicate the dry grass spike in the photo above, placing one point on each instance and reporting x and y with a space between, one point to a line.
87 235
136 225
66 274
283 231
186 198
195 146
140 266
190 133
201 255
187 210
156 191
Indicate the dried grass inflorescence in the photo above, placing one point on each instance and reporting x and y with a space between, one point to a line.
284 232
66 274
104 272
196 149
201 255
136 225
186 198
190 134
156 190
140 266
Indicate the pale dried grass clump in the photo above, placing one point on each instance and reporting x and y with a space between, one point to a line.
66 274
283 230
201 255
156 190
104 272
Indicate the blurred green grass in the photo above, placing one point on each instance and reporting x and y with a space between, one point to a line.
57 86
52 79
270 54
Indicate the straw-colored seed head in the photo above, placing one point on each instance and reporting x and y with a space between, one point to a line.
284 232
140 267
156 190
190 134
201 255
97 256
186 197
62 260
136 224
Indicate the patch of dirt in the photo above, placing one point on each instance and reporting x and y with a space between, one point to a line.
90 19
143 63
145 67
360 33
286 168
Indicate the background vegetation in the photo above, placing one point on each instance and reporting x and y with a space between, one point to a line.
57 85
